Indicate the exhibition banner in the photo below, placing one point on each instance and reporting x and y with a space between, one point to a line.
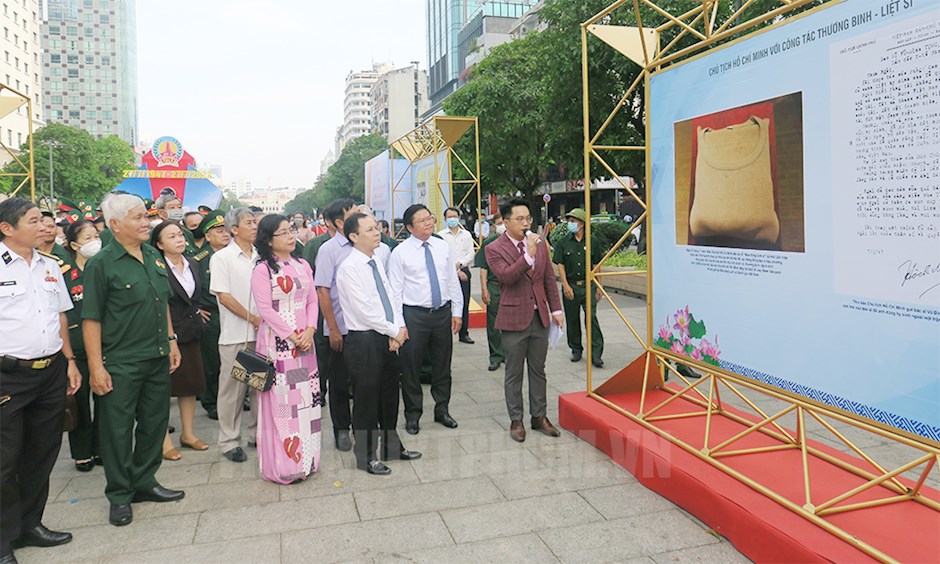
388 186
796 209
431 183
167 169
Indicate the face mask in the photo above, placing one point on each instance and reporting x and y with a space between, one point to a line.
197 234
299 222
572 227
155 222
500 229
453 222
90 248
176 215
60 240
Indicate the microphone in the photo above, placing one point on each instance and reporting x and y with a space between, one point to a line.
529 232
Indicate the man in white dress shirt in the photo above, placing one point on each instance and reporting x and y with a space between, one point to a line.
230 281
375 333
37 370
424 282
461 249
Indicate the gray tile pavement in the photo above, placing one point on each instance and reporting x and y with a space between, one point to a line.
475 496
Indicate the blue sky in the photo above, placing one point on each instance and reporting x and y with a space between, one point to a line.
257 87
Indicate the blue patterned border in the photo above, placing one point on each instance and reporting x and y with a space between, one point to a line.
881 416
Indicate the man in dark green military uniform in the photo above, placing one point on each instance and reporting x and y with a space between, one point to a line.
490 288
570 258
132 350
47 243
212 231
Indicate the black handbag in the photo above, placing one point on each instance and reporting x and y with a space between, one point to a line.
253 369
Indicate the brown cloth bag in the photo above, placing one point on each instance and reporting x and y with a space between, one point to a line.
734 191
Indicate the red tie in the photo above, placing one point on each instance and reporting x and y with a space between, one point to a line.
521 246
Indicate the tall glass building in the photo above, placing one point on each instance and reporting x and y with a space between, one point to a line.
455 28
90 66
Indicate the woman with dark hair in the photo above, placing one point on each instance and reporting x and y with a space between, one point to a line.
289 413
81 243
189 322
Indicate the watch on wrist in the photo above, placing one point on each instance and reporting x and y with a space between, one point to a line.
173 337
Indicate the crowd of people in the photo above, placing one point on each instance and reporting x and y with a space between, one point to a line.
127 311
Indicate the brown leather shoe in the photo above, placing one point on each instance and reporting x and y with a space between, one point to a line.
517 431
543 425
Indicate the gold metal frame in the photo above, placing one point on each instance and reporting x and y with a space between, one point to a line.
435 136
703 398
26 173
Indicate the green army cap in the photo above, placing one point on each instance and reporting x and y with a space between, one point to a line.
577 213
213 219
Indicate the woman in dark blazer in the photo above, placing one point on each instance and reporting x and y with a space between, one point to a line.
188 321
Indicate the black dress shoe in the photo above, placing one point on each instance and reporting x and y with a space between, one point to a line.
212 414
41 536
404 455
494 366
575 356
343 441
121 514
98 461
598 363
376 467
159 494
446 420
236 455
412 427
8 559
85 465
466 339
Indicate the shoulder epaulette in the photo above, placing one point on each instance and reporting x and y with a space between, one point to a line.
63 266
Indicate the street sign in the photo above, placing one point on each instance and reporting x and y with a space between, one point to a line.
547 198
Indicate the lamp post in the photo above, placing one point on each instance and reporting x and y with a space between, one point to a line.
50 143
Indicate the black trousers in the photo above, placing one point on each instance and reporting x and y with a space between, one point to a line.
333 372
465 289
428 332
374 373
83 440
30 437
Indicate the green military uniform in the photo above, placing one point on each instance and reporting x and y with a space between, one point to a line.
209 343
60 254
129 298
570 253
191 248
494 337
389 241
83 440
320 341
106 237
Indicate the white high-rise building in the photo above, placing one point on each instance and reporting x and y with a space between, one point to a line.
357 106
20 69
399 98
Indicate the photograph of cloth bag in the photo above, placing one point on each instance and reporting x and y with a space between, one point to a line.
733 189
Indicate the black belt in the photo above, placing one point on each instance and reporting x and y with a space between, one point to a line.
429 309
34 364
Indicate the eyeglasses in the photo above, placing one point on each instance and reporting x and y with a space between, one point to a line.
428 219
523 219
282 234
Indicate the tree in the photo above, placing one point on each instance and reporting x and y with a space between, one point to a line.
508 98
85 167
229 201
346 178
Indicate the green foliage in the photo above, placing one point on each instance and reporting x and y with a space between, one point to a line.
508 97
557 233
605 235
85 167
229 201
627 259
346 178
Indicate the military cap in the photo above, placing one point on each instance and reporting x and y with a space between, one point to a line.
212 219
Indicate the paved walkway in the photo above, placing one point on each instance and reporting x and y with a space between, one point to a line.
476 496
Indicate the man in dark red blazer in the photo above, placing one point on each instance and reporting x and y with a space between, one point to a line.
528 305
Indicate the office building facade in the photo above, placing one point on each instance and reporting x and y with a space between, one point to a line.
20 70
90 66
399 98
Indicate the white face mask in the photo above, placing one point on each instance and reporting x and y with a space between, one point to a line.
155 222
176 215
500 229
60 241
90 248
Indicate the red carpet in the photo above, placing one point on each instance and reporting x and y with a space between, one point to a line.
759 527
